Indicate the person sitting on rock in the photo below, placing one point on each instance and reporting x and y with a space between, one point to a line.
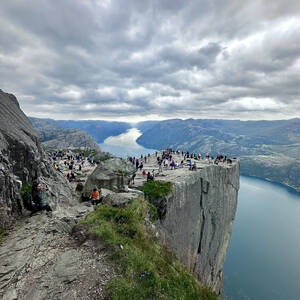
72 177
38 197
95 197
193 167
149 177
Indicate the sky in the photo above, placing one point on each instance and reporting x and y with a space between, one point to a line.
135 60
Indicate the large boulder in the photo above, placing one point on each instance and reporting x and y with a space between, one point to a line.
112 174
22 160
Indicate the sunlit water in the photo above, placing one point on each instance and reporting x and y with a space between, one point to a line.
125 144
263 261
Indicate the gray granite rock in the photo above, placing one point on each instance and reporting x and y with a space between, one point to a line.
198 219
112 174
22 159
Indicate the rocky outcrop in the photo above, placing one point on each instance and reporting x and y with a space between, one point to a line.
112 174
54 136
198 220
71 139
196 217
39 259
23 160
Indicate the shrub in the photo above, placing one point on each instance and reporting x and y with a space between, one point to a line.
155 192
26 188
2 233
79 187
157 189
149 270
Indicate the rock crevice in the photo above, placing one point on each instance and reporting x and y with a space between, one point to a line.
198 221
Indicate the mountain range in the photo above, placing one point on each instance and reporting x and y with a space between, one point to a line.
267 149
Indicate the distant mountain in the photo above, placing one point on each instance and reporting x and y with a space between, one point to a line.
98 130
54 136
146 125
268 149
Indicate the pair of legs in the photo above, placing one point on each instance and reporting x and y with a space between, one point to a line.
96 201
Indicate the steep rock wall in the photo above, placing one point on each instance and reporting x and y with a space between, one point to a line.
22 160
198 221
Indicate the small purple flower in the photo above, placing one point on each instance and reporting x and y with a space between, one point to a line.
133 286
163 289
142 275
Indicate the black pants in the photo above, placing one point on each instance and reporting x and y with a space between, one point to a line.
96 201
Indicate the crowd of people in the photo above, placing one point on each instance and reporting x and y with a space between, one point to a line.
173 159
71 162
68 164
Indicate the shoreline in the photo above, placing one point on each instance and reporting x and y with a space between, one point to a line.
295 189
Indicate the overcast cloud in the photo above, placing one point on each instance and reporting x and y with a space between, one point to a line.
160 59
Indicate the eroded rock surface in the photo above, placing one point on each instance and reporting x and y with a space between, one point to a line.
39 259
112 174
22 159
198 215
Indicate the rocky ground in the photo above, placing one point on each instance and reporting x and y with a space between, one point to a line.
168 174
45 257
41 259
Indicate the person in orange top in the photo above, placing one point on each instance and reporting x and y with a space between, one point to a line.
95 196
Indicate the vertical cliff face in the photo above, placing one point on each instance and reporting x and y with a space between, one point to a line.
199 217
22 159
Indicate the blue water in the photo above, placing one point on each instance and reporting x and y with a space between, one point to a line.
263 261
125 145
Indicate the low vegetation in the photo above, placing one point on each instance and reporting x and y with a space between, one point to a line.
26 188
155 192
157 189
147 270
2 233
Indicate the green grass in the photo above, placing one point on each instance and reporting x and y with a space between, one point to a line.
155 192
26 188
148 270
2 233
157 189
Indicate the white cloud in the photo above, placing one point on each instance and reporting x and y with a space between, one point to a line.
152 59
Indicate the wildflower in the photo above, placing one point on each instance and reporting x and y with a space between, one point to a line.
163 289
142 275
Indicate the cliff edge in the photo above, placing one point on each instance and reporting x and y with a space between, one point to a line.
198 215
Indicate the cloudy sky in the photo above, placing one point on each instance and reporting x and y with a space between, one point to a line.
160 59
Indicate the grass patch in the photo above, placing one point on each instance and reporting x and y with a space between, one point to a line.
26 188
2 233
149 271
155 192
153 213
157 189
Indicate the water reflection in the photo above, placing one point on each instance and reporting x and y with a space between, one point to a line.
263 261
125 144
